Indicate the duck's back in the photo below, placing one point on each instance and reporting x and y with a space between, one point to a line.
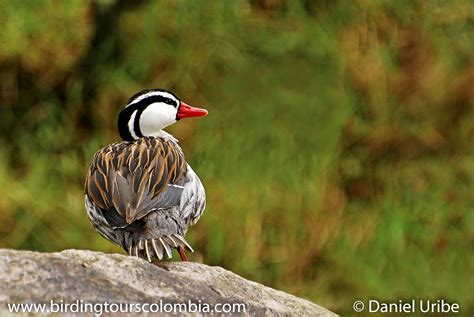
133 192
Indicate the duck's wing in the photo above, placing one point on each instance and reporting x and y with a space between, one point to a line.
127 180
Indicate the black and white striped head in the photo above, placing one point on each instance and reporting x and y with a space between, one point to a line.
149 111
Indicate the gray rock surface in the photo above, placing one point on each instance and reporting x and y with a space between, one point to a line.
85 280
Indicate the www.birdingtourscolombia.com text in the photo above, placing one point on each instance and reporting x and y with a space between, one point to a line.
79 307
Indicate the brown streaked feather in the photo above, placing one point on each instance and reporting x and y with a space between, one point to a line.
128 177
120 194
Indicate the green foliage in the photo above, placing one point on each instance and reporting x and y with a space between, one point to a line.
337 156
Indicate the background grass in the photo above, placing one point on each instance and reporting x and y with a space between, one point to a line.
337 156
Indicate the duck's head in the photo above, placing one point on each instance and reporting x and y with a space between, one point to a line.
149 111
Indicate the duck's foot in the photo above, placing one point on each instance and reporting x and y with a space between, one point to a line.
182 254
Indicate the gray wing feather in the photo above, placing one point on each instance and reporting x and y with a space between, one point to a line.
166 199
169 198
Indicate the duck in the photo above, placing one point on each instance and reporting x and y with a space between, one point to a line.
140 193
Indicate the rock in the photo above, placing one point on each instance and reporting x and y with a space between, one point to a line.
85 281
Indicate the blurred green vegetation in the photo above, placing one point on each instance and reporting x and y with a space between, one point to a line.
337 156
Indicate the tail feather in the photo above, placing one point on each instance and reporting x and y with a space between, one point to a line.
184 243
158 248
170 241
166 247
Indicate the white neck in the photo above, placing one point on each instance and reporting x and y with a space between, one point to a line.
165 135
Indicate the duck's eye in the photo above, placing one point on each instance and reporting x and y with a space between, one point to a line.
171 102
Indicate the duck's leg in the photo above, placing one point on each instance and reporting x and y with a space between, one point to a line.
182 253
